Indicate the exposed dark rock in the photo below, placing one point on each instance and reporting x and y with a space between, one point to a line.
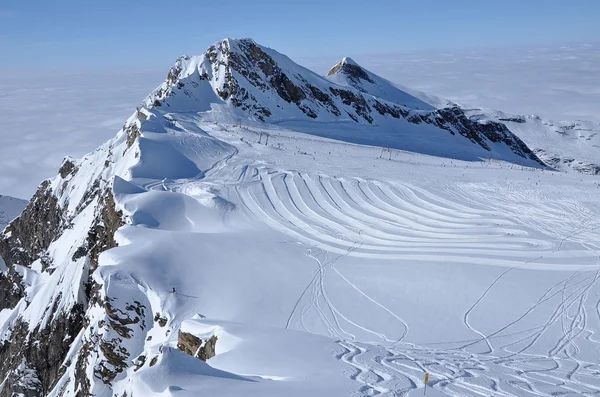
82 383
11 289
115 362
453 119
79 253
119 319
358 102
308 111
196 347
141 115
90 194
139 362
555 161
514 120
67 168
40 223
353 117
44 350
251 56
133 133
115 357
46 261
162 321
393 110
325 99
101 235
23 382
351 70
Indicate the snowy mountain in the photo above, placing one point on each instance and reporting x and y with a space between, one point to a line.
10 208
252 230
566 145
349 73
247 80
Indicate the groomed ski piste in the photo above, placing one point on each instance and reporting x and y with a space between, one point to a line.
329 267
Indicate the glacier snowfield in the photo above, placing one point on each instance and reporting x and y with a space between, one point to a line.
483 274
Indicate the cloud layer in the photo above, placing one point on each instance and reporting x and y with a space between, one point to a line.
44 118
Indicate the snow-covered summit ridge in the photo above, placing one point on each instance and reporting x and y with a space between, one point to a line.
238 79
237 68
349 73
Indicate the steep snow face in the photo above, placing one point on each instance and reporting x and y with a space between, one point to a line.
10 208
241 79
564 145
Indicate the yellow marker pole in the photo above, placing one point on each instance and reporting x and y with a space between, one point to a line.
426 380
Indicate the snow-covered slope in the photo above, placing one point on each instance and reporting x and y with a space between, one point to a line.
203 251
349 73
10 208
564 145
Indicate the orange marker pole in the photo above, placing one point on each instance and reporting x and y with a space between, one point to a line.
426 380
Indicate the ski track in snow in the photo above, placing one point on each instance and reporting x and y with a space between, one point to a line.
396 371
393 222
352 217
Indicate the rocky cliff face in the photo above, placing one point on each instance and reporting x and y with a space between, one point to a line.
51 251
196 347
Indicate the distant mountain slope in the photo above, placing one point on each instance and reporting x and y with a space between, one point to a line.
10 208
349 73
563 145
239 79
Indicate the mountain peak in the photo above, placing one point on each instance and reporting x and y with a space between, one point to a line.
350 61
350 68
234 41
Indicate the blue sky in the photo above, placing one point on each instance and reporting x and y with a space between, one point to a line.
114 34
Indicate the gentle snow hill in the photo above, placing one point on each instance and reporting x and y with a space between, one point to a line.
189 255
10 208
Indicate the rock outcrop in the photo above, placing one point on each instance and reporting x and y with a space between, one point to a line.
196 347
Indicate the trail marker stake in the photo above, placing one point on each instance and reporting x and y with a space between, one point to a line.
426 380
